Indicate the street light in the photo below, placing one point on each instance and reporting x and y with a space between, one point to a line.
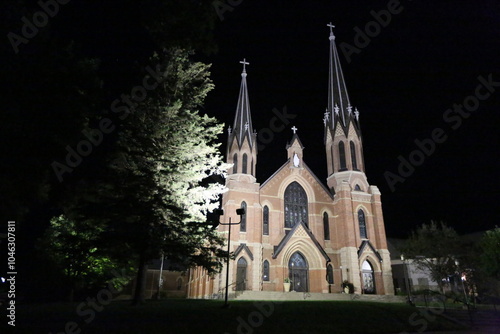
462 278
293 278
240 212
405 275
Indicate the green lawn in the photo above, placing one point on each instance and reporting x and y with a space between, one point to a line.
206 316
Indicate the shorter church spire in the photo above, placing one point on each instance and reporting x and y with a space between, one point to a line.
243 121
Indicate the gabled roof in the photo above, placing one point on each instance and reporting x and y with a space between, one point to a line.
295 138
306 168
284 241
242 247
367 244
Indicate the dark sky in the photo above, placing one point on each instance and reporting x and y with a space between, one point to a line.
426 59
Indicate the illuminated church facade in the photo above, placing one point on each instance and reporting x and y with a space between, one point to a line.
295 227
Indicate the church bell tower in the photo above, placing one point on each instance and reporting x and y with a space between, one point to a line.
242 140
343 142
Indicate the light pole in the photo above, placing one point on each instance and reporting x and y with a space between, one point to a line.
462 278
293 279
160 279
240 212
405 275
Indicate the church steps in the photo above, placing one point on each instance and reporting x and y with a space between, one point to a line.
290 296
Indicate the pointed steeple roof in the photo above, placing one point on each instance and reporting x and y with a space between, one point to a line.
243 121
339 111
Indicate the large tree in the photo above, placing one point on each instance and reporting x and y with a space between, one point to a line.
434 248
56 84
151 194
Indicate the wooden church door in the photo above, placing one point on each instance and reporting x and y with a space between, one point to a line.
298 273
241 274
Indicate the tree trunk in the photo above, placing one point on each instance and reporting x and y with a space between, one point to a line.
140 285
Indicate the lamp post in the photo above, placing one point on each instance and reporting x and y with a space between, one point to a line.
240 212
293 278
160 278
405 275
462 278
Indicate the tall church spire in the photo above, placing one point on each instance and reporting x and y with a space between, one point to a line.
343 143
340 111
242 127
242 145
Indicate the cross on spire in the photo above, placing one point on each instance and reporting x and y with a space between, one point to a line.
244 62
331 27
294 129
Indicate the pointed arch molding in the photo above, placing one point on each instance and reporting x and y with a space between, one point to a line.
301 245
244 247
367 245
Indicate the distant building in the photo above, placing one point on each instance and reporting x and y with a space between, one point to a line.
406 275
296 227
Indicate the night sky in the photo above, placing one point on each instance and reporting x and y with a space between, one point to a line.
404 80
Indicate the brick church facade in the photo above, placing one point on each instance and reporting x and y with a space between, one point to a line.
294 226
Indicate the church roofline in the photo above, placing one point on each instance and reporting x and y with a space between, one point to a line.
367 243
295 137
284 241
306 167
242 247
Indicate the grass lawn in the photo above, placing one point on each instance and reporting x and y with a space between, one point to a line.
207 316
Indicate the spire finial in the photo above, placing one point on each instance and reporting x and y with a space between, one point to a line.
332 36
294 129
244 62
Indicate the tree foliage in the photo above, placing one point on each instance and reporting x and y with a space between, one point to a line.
63 81
434 248
73 246
490 253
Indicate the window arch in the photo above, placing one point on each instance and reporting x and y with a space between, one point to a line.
362 224
251 168
243 225
265 271
353 156
329 274
326 226
265 220
244 163
235 163
357 187
342 156
295 205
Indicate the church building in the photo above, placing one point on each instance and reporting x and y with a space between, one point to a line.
295 228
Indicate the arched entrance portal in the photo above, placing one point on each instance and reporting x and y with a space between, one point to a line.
368 278
241 274
298 272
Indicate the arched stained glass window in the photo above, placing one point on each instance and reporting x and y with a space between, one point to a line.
243 225
265 220
265 271
244 164
353 156
235 162
295 205
326 226
329 274
342 156
362 224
